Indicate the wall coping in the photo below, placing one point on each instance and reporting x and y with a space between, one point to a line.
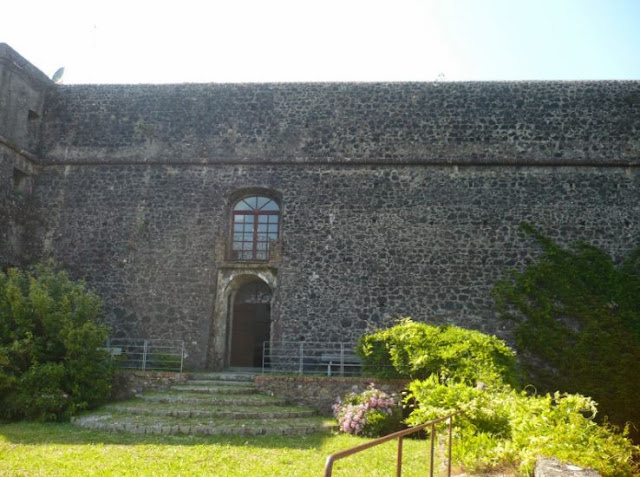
16 62
342 379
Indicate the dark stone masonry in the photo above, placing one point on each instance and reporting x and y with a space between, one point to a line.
127 384
321 393
386 199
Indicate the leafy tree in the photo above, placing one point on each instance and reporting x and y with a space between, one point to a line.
52 364
578 324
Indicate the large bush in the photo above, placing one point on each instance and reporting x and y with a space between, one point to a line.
418 350
502 428
578 325
52 364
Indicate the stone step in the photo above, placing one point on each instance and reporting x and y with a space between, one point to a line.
222 376
247 412
214 389
200 426
216 382
224 403
211 399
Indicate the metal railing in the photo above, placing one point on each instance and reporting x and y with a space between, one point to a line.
310 357
328 468
147 355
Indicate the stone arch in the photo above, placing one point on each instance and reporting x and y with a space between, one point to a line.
241 192
230 281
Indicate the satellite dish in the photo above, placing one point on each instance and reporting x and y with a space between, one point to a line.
57 76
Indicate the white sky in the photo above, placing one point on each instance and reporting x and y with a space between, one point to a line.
140 41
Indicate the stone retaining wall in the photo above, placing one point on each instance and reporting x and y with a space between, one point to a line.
321 392
126 384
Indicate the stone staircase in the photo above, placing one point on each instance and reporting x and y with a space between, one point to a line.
207 404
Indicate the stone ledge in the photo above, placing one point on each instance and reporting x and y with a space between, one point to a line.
103 423
547 467
320 392
129 383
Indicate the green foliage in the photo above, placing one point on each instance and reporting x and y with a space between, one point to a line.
372 413
436 399
578 324
418 350
503 428
52 364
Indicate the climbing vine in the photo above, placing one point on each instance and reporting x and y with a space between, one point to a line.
578 324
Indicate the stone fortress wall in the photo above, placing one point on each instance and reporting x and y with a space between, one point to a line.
22 94
396 198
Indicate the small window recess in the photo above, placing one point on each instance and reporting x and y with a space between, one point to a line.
22 182
33 127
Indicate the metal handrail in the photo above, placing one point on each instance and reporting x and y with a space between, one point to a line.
147 354
310 357
328 468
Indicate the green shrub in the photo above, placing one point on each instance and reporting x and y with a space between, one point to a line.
436 399
418 350
578 325
52 364
372 413
503 428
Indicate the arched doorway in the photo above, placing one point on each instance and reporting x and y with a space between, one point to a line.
250 325
251 287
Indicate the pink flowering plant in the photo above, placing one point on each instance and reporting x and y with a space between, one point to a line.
371 413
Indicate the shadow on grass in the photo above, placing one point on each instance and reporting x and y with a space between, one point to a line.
31 433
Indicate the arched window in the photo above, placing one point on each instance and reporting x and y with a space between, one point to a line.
256 221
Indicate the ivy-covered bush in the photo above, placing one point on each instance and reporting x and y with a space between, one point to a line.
418 350
578 325
372 413
52 364
502 428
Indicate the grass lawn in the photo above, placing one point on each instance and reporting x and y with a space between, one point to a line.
61 449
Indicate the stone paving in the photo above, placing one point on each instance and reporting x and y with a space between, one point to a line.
207 404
